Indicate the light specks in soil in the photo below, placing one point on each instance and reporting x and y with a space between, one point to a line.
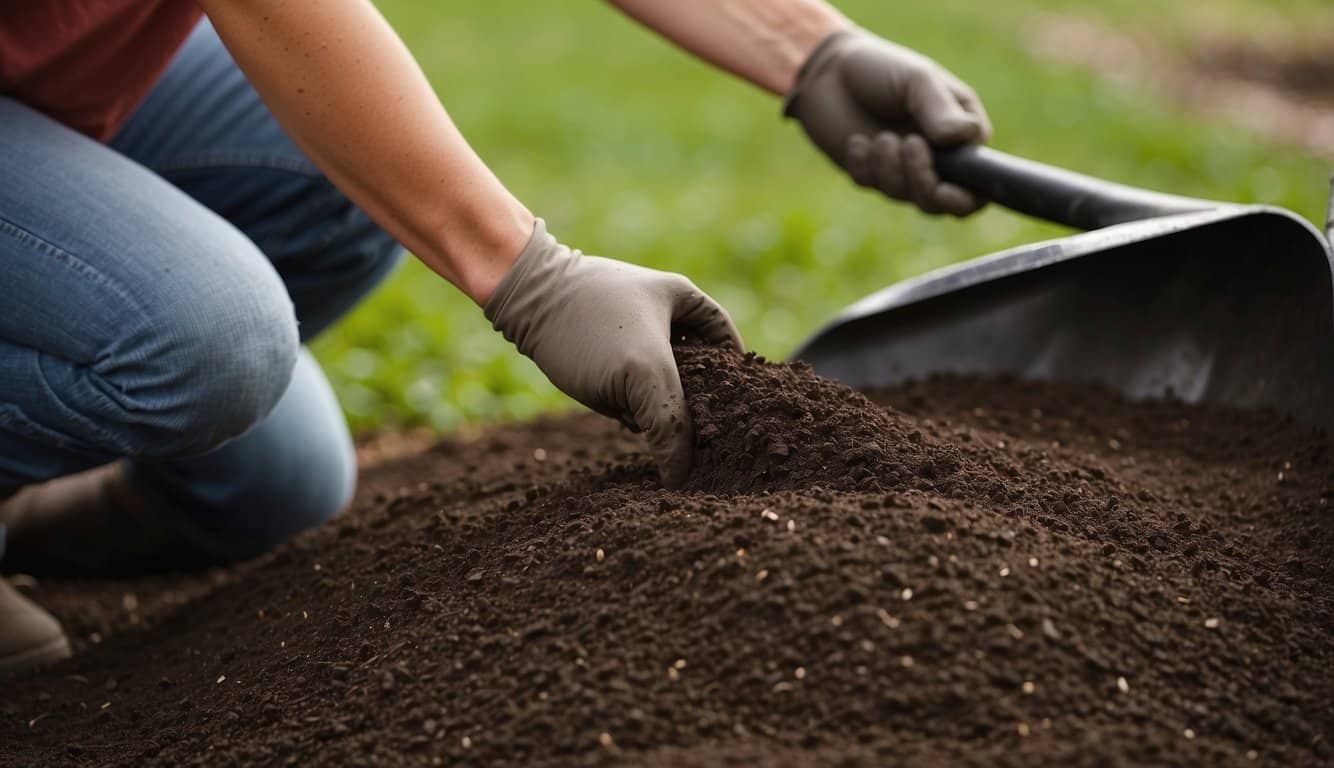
478 595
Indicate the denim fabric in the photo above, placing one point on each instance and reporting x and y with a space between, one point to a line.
153 298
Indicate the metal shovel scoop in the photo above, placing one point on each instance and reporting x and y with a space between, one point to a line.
1165 296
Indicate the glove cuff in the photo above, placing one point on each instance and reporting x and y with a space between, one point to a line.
820 58
512 306
534 288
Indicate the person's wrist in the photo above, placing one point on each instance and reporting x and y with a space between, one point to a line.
500 240
528 289
807 41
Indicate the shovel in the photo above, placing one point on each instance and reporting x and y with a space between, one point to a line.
1161 296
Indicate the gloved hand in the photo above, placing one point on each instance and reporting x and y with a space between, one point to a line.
873 106
601 331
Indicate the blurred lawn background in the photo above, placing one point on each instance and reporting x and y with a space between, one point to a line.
631 149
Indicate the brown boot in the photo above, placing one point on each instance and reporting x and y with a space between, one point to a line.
94 523
29 636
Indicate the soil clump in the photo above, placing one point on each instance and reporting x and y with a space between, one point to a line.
765 427
960 571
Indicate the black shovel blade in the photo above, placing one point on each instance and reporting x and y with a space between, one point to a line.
1233 306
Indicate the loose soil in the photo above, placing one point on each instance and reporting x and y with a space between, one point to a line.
958 572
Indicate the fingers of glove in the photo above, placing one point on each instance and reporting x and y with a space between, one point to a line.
936 109
626 420
887 165
926 189
694 311
659 407
972 104
596 399
857 159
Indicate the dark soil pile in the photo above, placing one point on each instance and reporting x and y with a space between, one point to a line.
1022 574
764 427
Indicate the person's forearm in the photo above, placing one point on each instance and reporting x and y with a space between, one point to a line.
763 41
347 90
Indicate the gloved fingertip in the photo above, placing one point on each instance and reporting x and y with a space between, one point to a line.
856 158
948 130
956 200
726 333
919 172
659 405
972 105
697 312
674 450
737 343
918 164
985 130
886 162
724 336
673 479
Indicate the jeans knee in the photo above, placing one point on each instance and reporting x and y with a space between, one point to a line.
333 484
215 362
241 369
319 476
290 499
294 471
305 467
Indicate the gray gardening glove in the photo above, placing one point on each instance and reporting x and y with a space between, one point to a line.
873 106
601 331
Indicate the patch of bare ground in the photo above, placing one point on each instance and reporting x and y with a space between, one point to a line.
1278 87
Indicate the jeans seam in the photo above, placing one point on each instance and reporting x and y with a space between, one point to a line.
85 270
102 435
241 160
70 260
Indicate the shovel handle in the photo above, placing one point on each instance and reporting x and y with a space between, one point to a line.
1055 194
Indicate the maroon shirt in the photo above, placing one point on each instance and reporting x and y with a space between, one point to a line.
89 63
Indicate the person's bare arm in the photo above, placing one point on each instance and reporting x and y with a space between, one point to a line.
348 91
763 41
344 86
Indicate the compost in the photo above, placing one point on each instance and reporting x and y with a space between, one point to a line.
958 571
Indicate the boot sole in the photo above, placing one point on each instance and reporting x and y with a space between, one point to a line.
41 656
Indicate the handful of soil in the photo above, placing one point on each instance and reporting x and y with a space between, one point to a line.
780 426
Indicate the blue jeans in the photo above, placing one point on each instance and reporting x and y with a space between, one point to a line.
154 296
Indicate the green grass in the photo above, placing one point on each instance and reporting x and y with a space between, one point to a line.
631 149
